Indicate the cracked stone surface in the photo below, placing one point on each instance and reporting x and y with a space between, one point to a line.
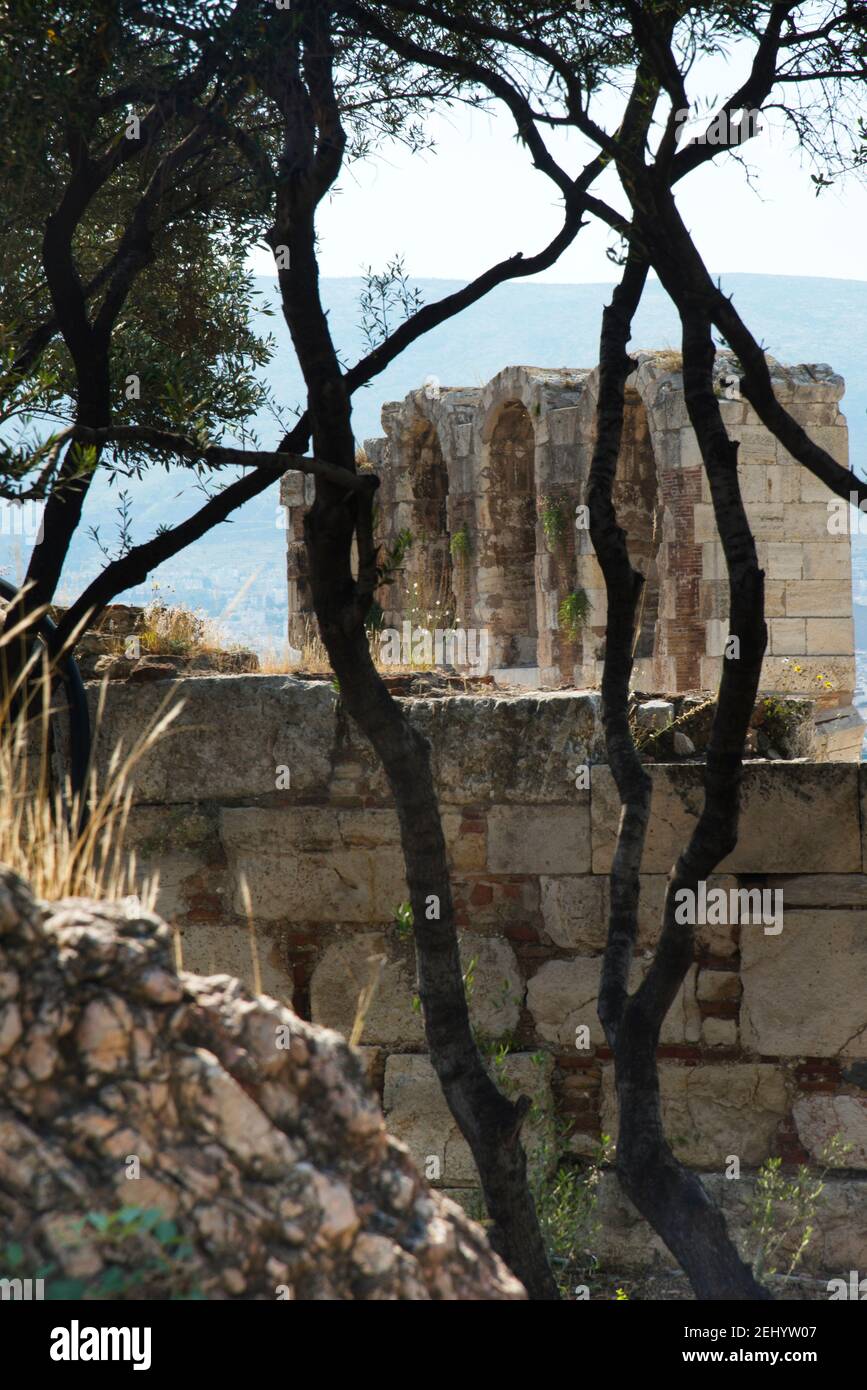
806 983
713 1111
562 996
819 1118
416 1109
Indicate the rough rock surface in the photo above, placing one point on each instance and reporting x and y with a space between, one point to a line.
254 1132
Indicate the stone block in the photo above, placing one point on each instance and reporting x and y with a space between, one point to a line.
753 478
830 560
225 948
769 521
562 996
775 598
718 986
779 674
819 598
817 805
276 721
784 561
822 890
716 637
704 523
788 636
531 840
756 444
654 714
839 737
803 521
179 846
829 636
292 489
714 1110
819 1119
521 750
812 489
416 1111
719 1032
466 842
689 455
497 992
782 483
574 911
314 864
803 989
346 969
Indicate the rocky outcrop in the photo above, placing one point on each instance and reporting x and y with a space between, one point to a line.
168 1135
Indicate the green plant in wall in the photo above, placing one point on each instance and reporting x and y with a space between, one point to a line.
459 545
573 613
783 1210
403 919
553 518
395 557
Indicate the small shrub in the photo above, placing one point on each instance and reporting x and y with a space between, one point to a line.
403 919
175 631
783 1211
459 545
553 519
573 613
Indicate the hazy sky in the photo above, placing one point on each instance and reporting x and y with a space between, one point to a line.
478 198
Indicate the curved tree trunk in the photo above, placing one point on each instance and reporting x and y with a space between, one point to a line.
301 82
489 1122
671 1197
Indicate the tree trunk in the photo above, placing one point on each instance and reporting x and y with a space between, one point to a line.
302 83
671 1197
489 1122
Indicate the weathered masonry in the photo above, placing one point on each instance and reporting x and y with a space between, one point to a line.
764 1051
487 483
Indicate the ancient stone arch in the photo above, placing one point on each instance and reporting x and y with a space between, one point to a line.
489 480
420 512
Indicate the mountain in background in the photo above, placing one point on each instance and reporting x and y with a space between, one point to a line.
536 324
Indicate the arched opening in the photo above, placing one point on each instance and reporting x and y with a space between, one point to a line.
429 600
507 587
636 498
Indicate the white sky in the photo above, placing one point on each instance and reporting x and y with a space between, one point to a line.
477 198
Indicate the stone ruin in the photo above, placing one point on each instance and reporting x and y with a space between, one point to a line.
487 482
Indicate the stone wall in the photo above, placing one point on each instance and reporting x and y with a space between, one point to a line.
765 1049
473 474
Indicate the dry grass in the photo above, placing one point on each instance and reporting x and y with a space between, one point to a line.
40 834
314 659
174 630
